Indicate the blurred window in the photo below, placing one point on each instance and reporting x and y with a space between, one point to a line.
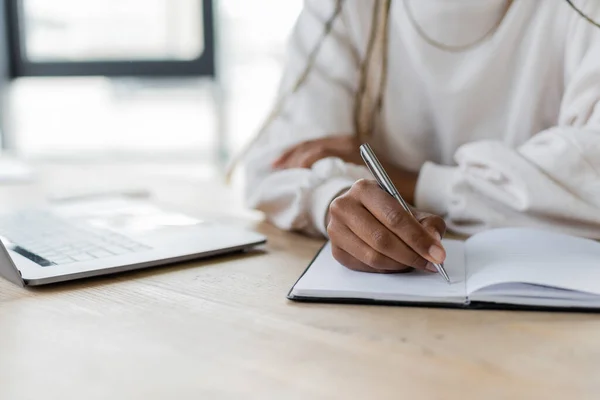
112 37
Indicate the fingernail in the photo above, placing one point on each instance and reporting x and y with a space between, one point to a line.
437 253
431 268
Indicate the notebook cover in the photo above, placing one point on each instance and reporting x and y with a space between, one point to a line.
470 306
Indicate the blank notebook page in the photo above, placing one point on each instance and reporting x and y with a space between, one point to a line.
534 257
326 278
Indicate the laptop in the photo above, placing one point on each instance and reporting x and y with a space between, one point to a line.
78 240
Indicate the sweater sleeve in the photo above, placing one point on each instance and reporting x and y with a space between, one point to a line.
551 181
298 199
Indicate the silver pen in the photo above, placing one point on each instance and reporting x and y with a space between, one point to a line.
386 184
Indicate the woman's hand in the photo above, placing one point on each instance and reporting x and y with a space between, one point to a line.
371 232
347 148
304 155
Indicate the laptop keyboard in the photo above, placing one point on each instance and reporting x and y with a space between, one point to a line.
49 240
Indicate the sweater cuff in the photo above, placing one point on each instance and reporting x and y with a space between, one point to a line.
323 196
433 188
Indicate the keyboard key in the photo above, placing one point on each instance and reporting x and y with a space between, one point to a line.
72 252
100 253
62 260
82 257
48 255
63 249
117 250
38 249
138 247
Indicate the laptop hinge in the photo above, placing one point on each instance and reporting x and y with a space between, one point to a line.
8 269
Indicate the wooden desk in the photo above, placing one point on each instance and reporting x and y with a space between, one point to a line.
224 330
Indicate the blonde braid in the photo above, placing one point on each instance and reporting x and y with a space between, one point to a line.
373 73
367 105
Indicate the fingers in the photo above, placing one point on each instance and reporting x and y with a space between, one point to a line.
302 158
310 157
434 224
281 161
377 236
371 232
390 213
297 156
365 257
306 154
350 262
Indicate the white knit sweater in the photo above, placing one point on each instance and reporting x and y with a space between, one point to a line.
505 134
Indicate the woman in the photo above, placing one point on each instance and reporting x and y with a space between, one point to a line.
485 113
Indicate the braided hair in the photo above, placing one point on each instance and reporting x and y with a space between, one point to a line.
373 69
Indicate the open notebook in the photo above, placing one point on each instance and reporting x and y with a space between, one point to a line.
513 267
